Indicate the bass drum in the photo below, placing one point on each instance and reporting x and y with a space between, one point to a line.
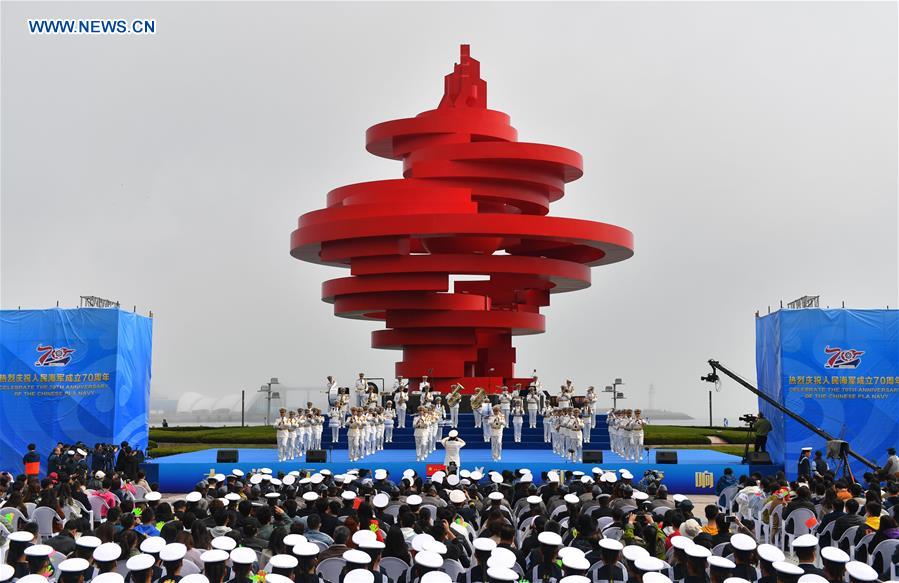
333 396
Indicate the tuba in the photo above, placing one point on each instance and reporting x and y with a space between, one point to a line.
478 399
455 396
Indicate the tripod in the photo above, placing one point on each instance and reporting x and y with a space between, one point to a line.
750 438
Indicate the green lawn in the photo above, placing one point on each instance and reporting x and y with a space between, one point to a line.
686 435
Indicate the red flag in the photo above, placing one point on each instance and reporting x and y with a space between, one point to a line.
811 522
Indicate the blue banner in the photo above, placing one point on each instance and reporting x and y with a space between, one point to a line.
837 369
72 375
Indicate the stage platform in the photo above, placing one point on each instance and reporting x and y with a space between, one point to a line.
695 472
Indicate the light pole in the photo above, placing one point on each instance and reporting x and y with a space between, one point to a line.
613 388
267 389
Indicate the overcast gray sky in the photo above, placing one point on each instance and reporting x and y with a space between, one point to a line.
750 147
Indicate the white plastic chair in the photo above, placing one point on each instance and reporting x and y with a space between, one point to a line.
613 532
848 536
603 522
189 568
453 568
395 567
884 551
795 525
432 510
330 569
45 519
17 517
861 545
718 550
97 506
726 498
30 506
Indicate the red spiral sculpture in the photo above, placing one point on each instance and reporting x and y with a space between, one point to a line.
473 201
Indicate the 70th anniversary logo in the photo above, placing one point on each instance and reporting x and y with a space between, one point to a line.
91 26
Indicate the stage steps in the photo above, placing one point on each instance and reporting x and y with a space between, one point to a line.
473 436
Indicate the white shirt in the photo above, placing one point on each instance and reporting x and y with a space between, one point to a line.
361 385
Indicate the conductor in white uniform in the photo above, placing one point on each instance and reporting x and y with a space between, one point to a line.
453 445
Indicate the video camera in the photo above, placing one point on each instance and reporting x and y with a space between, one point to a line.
749 418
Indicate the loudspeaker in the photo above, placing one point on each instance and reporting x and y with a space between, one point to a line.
759 457
226 456
666 457
592 456
316 456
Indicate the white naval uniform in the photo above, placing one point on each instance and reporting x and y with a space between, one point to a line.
354 437
420 426
360 388
452 447
533 407
389 416
291 437
281 434
486 413
505 405
637 438
517 414
496 424
334 416
400 399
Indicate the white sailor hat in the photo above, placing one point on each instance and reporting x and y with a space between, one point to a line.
457 496
571 499
356 557
501 574
650 563
107 552
33 579
39 551
380 500
310 496
256 479
610 544
325 472
283 562
373 544
586 479
633 552
276 482
680 542
304 481
232 497
317 478
272 495
214 556
736 580
224 543
192 496
743 542
429 559
6 572
575 562
21 536
99 474
770 553
787 568
459 529
857 571
476 475
806 448
359 576
502 557
698 551
434 546
834 555
418 541
75 565
496 496
152 496
549 538
438 476
140 562
289 480
452 480
812 578
173 552
527 478
293 539
88 542
363 535
533 499
413 500
575 579
408 473
608 477
265 470
465 473
496 478
570 551
306 549
483 544
237 472
81 452
656 577
453 433
152 545
805 541
70 452
380 474
201 578
348 495
243 556
552 476
436 577
720 562
109 577
626 474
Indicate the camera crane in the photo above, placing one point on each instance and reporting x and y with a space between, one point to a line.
712 377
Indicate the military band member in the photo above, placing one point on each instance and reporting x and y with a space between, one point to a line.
533 405
486 411
586 417
637 425
343 405
361 388
564 399
497 424
547 423
590 402
389 420
400 383
453 400
424 389
291 436
282 433
440 413
335 420
354 434
318 426
476 401
505 403
576 441
517 413
420 427
303 432
400 399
